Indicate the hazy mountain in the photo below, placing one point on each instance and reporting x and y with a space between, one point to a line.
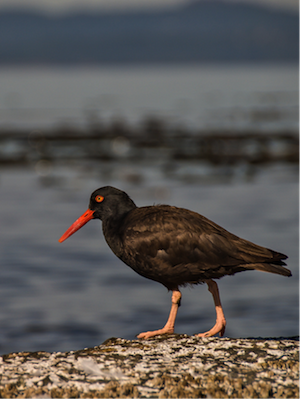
200 31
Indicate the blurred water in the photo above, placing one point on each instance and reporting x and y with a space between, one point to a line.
77 294
239 97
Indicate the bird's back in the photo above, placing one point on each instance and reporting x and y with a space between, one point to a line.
176 246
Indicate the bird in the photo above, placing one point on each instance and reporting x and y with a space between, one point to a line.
175 247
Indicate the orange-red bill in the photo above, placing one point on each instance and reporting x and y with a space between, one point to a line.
88 215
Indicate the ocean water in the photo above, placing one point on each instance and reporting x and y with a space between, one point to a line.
77 294
235 97
59 297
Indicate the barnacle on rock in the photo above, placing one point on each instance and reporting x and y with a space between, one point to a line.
163 367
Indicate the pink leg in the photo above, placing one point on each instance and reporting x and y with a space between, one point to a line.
220 325
169 327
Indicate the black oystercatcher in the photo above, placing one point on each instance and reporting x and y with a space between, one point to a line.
175 247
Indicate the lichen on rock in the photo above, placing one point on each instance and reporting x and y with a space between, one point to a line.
163 367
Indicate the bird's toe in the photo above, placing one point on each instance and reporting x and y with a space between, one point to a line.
149 334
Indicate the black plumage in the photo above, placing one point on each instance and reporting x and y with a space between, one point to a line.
175 246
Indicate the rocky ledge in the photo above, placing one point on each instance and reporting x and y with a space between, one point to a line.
175 366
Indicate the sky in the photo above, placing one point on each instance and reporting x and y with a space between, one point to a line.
66 5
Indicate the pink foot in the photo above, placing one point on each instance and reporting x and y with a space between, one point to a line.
219 327
169 327
149 334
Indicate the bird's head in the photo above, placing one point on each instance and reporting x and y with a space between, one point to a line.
106 202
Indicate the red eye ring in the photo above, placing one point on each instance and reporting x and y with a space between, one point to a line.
99 198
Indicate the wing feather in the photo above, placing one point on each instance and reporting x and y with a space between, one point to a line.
183 246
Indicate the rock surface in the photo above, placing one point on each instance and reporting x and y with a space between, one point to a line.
174 366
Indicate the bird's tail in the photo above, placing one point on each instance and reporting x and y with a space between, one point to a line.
274 264
270 268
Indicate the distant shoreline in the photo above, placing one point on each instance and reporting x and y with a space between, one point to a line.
194 32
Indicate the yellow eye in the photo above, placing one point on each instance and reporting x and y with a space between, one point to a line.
99 198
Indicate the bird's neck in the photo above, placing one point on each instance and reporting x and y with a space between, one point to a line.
112 231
